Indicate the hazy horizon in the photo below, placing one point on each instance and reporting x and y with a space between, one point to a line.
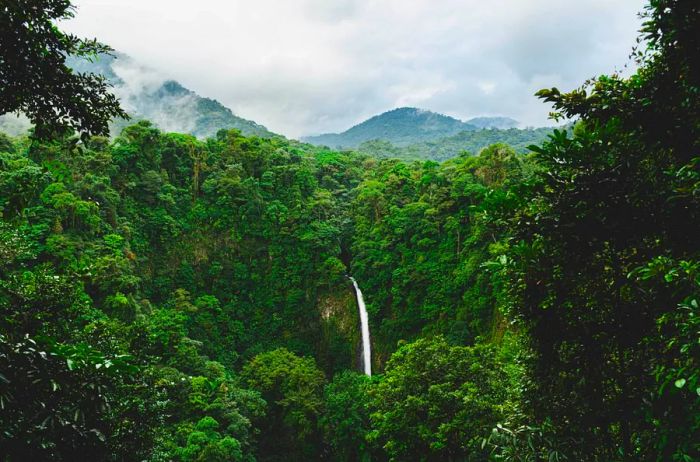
306 67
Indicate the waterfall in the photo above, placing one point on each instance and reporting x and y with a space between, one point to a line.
366 343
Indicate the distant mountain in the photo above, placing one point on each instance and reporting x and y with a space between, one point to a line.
402 126
493 122
405 126
146 94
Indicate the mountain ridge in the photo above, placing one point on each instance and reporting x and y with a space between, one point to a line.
405 126
146 94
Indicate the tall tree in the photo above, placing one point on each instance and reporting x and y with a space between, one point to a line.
605 240
34 76
436 402
293 389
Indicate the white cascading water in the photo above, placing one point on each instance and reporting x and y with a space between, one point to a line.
366 344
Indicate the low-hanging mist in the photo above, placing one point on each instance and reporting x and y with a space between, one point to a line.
148 94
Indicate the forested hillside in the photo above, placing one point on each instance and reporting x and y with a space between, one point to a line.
416 134
407 126
471 141
400 126
175 253
169 298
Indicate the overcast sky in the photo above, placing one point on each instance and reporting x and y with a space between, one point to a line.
304 67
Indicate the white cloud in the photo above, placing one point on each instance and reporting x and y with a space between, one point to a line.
487 87
310 66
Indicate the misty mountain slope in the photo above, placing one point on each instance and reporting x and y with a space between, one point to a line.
174 108
146 94
405 126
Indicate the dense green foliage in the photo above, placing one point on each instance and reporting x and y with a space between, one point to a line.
345 420
605 256
436 401
193 262
446 148
166 298
109 250
423 233
293 388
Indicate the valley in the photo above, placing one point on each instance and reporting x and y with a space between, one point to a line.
181 284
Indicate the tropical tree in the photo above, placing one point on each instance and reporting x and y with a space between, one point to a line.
345 420
437 402
292 386
601 250
34 76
